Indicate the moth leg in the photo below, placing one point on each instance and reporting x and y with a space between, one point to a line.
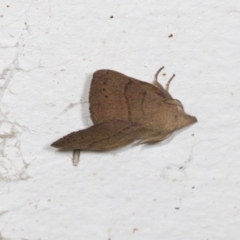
76 155
169 81
154 139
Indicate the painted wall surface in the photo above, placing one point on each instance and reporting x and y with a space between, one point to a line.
185 188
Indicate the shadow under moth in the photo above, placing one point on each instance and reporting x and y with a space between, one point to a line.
124 110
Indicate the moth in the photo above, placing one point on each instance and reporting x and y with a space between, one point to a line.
124 110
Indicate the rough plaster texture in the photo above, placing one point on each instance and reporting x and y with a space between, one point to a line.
185 188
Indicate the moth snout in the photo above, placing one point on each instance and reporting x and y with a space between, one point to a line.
190 119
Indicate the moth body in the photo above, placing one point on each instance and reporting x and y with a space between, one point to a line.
124 110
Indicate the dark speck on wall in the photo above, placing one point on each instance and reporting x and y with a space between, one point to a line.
170 36
111 17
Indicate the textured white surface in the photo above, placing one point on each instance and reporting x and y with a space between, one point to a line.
187 187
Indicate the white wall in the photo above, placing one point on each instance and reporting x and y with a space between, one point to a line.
186 187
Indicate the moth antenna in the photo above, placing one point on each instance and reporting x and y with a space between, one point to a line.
169 81
157 73
156 76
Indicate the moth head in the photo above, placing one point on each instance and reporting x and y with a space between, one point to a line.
178 117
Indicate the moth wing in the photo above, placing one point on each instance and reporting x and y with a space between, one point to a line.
155 139
110 97
108 135
146 105
106 97
155 89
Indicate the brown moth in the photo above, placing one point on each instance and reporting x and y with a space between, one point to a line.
123 110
